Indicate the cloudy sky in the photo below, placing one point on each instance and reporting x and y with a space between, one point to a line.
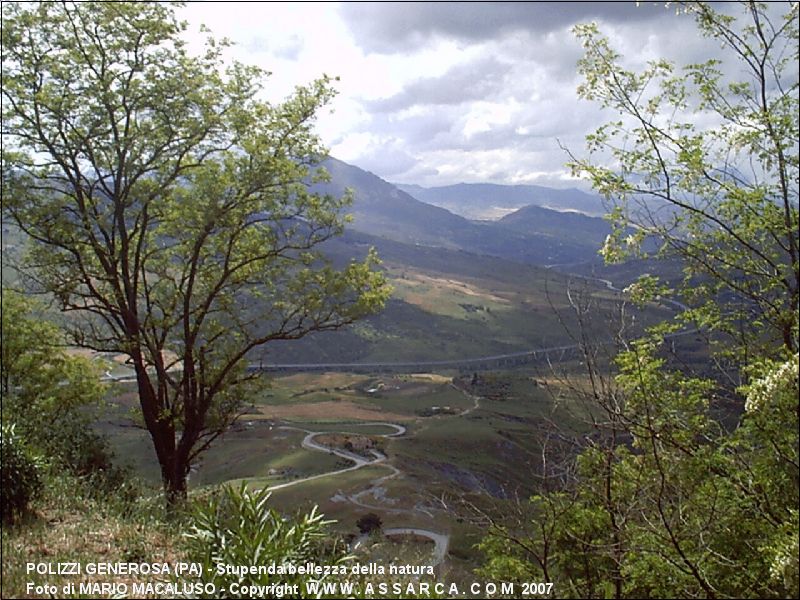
440 93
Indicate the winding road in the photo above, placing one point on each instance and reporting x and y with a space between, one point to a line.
359 461
441 540
610 285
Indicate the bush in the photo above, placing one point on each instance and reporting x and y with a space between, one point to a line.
368 523
75 447
236 527
43 386
21 480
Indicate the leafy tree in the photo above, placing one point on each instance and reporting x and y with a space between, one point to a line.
665 502
723 198
169 209
668 498
43 385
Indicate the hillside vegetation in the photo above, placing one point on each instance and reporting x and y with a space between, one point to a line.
206 360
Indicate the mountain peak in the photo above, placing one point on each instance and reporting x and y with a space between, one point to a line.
398 213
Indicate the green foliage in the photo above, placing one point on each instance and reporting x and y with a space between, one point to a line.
43 385
723 198
766 447
169 208
238 527
36 371
21 480
687 510
689 485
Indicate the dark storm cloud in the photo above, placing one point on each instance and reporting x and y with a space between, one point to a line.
390 27
462 83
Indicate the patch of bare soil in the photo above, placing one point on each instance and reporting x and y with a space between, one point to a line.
331 410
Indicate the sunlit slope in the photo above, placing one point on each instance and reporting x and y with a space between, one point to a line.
449 304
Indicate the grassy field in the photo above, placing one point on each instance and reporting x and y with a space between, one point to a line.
355 428
511 403
478 436
487 451
450 305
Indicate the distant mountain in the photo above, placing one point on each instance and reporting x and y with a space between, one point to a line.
533 220
491 201
381 209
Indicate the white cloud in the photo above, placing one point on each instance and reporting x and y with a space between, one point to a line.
436 94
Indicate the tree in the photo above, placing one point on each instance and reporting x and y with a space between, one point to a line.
723 198
42 384
168 208
688 485
684 509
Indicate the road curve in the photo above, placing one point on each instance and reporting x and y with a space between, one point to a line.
440 540
358 461
679 306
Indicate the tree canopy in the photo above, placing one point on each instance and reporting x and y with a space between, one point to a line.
688 483
168 208
722 196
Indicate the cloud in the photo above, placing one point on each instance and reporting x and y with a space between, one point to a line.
382 155
464 82
507 107
287 49
391 27
436 93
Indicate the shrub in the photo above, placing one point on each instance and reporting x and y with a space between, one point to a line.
21 481
368 523
77 448
236 527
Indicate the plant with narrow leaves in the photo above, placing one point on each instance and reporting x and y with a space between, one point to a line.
236 526
21 479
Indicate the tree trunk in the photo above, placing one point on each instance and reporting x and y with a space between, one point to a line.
174 485
162 432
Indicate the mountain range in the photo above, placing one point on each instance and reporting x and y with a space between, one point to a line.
491 201
462 288
534 235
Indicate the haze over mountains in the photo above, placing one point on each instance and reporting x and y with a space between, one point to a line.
462 288
491 201
535 236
